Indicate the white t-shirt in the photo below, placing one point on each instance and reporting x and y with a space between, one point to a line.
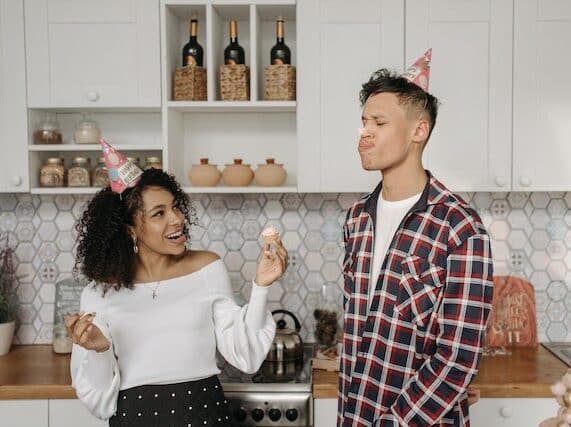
389 217
170 339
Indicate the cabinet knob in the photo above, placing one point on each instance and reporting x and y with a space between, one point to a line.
500 182
525 181
506 411
92 96
17 181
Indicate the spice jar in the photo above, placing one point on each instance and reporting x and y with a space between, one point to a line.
87 131
48 131
134 160
78 173
99 176
153 162
52 173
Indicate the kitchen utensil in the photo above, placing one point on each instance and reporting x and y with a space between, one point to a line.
287 344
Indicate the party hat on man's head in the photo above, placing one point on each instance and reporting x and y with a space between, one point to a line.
419 72
123 173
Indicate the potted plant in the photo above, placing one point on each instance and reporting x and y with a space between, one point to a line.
8 298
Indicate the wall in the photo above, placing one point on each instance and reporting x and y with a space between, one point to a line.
531 238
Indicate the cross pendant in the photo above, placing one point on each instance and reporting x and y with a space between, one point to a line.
154 294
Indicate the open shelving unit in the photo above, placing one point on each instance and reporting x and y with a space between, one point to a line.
224 130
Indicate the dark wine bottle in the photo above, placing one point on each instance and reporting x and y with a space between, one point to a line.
280 53
234 53
192 52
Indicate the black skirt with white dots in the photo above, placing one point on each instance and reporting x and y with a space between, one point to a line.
198 403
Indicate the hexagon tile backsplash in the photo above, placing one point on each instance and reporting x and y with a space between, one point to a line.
531 235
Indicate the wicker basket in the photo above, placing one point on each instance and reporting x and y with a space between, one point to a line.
235 82
279 82
189 84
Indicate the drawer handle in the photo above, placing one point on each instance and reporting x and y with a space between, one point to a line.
92 96
506 411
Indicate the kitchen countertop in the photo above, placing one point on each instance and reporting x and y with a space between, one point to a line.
525 373
36 372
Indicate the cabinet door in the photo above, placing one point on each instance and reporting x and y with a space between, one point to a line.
72 413
541 95
341 44
24 413
471 74
324 412
514 412
93 54
13 120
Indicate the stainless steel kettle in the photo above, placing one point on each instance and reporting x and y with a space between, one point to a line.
287 345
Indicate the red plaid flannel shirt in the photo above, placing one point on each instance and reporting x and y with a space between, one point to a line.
409 357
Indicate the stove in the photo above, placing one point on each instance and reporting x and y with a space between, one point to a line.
279 394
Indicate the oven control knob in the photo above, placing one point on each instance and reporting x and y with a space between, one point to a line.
274 414
291 414
257 414
240 414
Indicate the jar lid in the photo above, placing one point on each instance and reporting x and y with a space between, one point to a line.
153 160
133 160
101 159
204 161
80 160
54 160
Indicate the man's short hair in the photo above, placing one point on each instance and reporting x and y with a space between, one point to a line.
408 94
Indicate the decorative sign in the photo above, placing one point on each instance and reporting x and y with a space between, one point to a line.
512 321
68 293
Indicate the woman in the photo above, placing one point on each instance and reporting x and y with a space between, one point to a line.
144 350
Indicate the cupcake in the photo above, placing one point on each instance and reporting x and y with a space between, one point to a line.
270 235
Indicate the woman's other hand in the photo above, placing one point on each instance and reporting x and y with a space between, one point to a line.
84 333
272 264
473 395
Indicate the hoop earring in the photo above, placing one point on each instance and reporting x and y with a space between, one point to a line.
135 247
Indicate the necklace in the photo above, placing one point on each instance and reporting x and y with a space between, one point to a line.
154 289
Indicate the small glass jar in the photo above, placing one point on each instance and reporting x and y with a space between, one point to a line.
52 173
134 160
78 173
153 162
48 131
99 175
62 342
87 131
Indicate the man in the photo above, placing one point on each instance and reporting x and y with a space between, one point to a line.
417 272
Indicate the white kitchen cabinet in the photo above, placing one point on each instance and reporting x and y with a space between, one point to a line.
512 412
324 412
24 413
343 44
92 54
13 118
71 413
541 95
471 74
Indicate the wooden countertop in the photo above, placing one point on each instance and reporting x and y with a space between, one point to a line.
525 373
36 372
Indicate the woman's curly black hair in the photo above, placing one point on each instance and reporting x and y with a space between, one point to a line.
105 247
408 93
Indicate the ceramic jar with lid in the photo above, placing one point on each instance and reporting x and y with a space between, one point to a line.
237 174
270 175
48 131
87 131
52 173
99 175
153 162
78 173
204 174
